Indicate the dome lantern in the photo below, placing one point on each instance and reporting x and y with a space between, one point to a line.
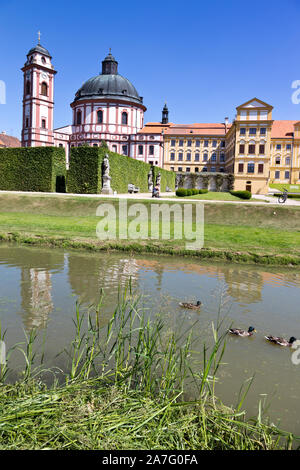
109 65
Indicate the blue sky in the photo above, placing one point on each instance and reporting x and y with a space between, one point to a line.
203 58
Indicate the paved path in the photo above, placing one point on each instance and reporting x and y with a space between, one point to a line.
262 199
274 200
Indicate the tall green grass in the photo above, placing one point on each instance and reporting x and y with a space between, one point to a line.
125 387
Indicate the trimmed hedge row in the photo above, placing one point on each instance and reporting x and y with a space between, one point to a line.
167 178
85 172
241 194
32 168
182 192
44 169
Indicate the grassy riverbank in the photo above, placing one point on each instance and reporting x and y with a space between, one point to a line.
125 387
241 232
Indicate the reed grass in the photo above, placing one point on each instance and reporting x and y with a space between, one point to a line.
125 387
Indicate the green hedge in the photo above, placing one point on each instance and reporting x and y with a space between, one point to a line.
167 178
182 192
32 168
241 194
126 170
85 172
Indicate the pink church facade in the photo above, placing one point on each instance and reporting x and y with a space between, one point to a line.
107 107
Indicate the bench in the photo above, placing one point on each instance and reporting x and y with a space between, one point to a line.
133 189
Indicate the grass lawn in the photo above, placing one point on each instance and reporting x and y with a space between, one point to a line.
292 188
235 229
219 196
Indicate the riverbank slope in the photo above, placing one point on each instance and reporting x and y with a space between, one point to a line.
249 233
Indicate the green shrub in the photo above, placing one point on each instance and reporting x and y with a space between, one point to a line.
32 169
241 194
181 192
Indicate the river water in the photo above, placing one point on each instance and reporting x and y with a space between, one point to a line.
39 289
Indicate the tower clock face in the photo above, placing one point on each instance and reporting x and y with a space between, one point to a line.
44 75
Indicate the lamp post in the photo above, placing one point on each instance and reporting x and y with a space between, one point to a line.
163 147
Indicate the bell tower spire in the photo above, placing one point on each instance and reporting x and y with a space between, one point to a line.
165 115
38 93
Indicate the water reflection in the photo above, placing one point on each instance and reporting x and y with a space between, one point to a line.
36 296
87 274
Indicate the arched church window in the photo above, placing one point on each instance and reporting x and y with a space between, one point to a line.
44 89
43 60
141 150
99 117
78 117
124 118
151 150
28 88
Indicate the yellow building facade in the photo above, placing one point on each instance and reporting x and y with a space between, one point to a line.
195 148
285 153
254 147
249 145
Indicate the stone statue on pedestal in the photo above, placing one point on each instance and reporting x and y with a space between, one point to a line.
150 181
158 178
106 189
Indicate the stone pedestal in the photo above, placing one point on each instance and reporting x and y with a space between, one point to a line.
106 189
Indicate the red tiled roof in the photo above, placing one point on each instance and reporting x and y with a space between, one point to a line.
198 129
9 141
283 129
154 128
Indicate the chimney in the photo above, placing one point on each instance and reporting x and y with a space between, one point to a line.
226 124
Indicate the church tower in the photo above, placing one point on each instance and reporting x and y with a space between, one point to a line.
37 128
165 114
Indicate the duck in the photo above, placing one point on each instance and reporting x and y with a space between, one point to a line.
281 341
243 333
190 305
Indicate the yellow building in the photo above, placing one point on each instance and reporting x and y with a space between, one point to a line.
256 149
195 148
249 145
285 152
